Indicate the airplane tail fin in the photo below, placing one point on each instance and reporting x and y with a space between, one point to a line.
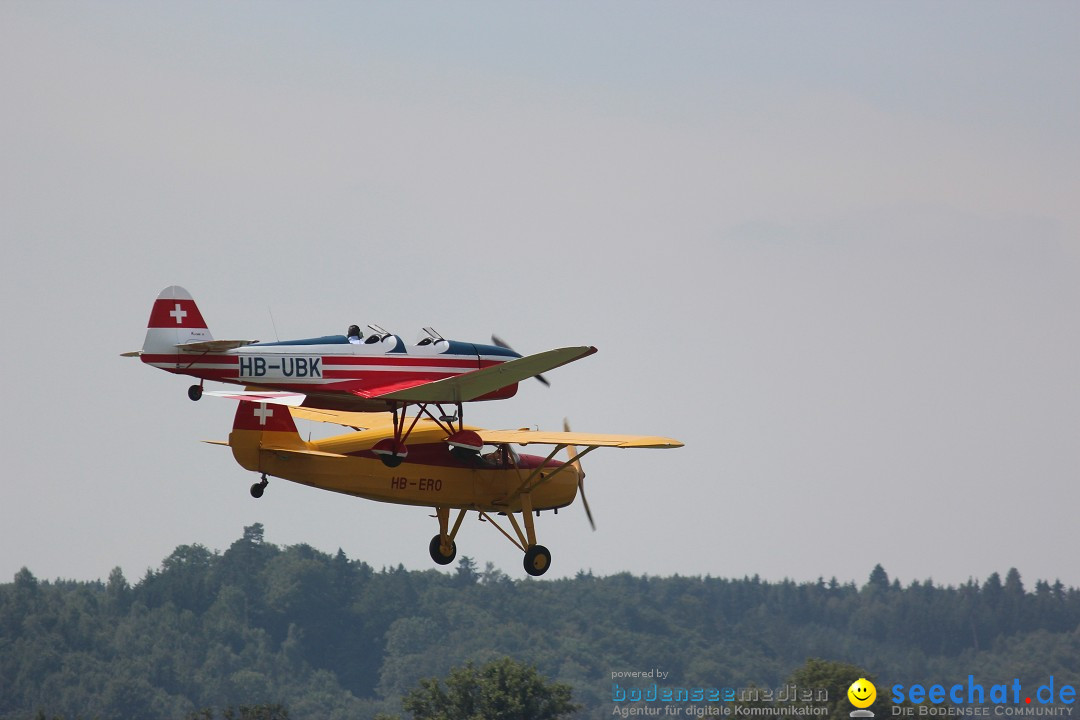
262 426
269 419
174 320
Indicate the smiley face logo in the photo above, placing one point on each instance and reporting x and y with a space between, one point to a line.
862 693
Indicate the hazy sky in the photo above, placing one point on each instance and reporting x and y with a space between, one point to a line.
832 247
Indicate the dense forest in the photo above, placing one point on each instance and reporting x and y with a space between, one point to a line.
326 636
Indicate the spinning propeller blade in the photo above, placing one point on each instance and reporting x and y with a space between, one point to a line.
571 451
499 342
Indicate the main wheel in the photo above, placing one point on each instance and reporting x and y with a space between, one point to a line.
537 560
194 392
435 549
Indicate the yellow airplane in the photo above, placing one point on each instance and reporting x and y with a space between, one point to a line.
443 474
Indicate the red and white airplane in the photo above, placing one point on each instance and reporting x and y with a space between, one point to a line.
377 373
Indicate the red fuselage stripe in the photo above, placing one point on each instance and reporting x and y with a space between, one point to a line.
403 360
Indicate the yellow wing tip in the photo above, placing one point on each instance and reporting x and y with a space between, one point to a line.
654 443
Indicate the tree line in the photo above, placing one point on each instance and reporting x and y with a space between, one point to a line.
323 635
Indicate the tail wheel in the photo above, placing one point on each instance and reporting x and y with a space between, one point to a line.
436 551
258 488
537 560
194 392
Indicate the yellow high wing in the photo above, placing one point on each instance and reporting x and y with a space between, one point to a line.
577 439
354 420
371 421
569 441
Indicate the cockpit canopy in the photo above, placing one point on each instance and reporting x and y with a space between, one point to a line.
500 456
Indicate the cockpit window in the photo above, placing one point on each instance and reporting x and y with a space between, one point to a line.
500 456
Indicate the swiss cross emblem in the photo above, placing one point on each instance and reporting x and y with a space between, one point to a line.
263 412
179 313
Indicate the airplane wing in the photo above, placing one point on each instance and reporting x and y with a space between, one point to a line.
213 346
291 452
354 420
275 397
204 346
469 386
367 421
528 437
297 452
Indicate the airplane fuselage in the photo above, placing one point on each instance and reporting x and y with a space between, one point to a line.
434 476
330 365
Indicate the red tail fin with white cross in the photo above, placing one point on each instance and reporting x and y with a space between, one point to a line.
264 417
174 320
259 427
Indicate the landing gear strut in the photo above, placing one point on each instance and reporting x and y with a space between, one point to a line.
537 559
258 488
393 451
442 547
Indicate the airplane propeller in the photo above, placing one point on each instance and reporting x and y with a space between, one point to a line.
499 342
571 451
